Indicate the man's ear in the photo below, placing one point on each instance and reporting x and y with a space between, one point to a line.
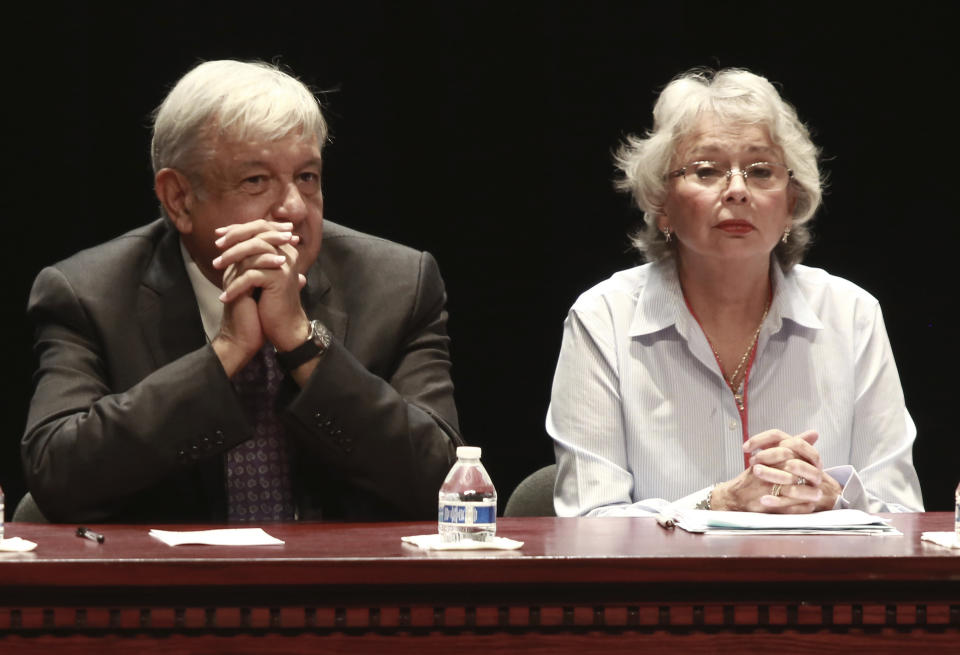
176 194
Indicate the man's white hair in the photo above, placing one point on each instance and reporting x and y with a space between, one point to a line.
240 101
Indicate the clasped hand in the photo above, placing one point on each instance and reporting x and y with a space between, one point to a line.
785 476
260 255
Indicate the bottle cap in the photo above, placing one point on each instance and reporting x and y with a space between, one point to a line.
468 452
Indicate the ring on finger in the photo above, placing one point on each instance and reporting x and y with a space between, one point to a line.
776 490
800 481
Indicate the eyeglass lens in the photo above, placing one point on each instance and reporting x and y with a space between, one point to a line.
761 175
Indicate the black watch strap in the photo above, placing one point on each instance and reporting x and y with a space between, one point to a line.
315 346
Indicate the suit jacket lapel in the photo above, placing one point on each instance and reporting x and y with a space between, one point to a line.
166 308
321 302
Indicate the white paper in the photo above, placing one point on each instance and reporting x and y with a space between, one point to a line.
945 539
839 521
435 542
16 545
871 531
222 537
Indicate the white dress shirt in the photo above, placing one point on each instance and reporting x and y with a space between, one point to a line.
641 415
207 294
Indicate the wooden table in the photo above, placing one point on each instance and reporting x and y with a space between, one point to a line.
616 585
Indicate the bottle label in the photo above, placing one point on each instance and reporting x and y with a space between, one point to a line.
467 513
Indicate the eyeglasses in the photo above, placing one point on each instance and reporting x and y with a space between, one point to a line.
762 175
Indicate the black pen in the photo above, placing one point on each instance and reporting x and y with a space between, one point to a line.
665 521
90 534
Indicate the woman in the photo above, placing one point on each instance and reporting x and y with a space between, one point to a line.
724 375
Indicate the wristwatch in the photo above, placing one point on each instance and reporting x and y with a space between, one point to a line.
315 346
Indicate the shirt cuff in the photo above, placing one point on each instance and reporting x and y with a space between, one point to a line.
853 495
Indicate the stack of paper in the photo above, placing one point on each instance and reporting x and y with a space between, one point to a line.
839 521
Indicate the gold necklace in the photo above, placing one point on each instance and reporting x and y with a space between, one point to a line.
731 381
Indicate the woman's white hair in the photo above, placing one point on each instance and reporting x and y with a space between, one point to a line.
734 96
243 101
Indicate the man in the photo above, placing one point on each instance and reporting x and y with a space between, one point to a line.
219 363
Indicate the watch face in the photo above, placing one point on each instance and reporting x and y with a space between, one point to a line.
320 335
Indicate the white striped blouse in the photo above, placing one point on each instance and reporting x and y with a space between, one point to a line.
641 416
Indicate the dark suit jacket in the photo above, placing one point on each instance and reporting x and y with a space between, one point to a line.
132 411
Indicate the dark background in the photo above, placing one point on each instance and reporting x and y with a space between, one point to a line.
483 132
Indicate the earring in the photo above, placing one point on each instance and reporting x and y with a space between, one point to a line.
786 236
666 234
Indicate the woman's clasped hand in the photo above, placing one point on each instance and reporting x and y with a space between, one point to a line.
785 475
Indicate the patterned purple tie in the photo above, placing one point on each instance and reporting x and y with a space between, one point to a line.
258 470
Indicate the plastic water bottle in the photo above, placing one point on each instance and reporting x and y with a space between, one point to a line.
468 501
956 516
